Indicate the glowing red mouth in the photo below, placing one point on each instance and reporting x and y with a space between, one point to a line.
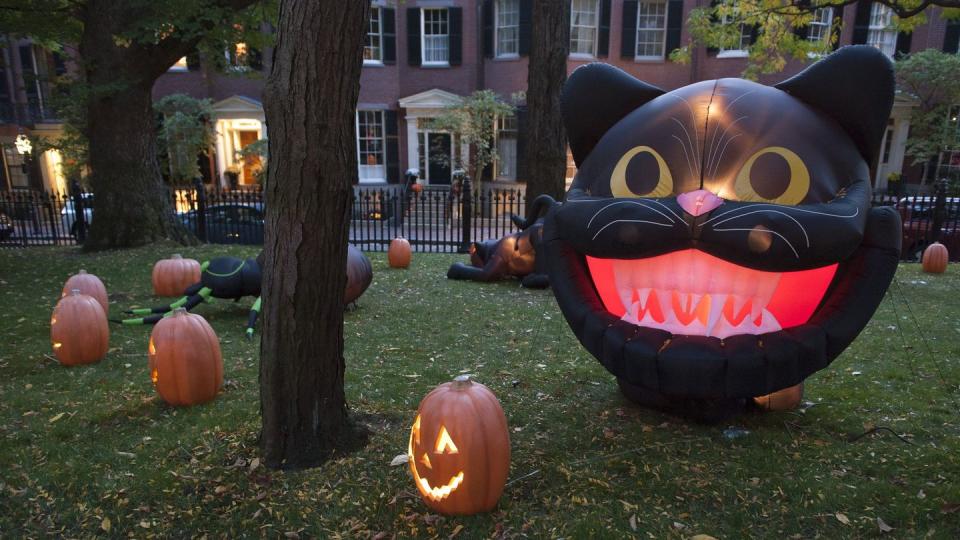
692 293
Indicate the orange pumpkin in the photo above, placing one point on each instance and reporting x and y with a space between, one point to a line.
172 276
459 449
782 400
186 366
935 258
416 188
399 253
78 330
89 285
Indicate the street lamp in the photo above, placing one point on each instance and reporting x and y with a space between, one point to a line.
23 144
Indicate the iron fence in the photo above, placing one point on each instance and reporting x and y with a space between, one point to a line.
433 219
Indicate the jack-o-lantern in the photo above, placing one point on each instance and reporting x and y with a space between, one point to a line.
459 449
78 330
718 241
935 258
185 362
172 276
89 285
399 253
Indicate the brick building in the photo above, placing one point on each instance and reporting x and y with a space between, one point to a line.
423 55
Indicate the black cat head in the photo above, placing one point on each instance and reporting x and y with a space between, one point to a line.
718 240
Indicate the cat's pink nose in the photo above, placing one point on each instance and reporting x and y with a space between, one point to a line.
698 202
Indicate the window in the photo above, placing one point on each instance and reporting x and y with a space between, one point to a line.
238 58
880 34
743 42
372 48
180 65
583 27
507 148
371 146
508 28
819 29
435 29
651 29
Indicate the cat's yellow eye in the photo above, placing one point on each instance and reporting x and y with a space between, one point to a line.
664 182
796 187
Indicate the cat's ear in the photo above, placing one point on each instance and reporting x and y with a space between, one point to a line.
594 98
855 87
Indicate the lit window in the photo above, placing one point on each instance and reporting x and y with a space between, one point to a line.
508 28
238 58
651 29
583 27
372 49
819 29
370 146
436 37
880 34
180 65
507 148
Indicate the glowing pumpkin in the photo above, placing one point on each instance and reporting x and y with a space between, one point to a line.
89 285
78 330
459 448
185 363
935 258
172 276
399 253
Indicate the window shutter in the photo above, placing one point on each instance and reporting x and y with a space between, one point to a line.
951 38
754 32
393 146
413 36
603 33
628 36
526 27
712 51
521 115
802 31
456 35
488 28
388 20
861 24
838 18
255 59
674 26
193 61
904 40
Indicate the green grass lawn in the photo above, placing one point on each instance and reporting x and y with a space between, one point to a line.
93 451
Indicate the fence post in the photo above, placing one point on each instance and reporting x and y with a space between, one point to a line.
79 213
466 214
201 209
939 209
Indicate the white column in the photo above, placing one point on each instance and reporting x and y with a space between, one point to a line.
221 153
413 145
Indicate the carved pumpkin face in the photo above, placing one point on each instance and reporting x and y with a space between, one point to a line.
718 240
459 448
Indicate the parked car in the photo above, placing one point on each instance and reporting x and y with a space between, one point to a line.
917 214
6 226
240 223
68 215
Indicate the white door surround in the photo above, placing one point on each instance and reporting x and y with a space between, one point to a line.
426 105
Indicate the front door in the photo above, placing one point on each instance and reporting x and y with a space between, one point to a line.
440 150
251 162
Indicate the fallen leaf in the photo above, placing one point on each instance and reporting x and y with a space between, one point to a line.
456 531
254 463
949 508
105 524
399 459
842 518
633 522
883 525
57 417
702 537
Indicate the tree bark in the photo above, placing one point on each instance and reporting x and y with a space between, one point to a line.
546 140
309 99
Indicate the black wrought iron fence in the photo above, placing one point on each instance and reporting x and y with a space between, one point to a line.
433 219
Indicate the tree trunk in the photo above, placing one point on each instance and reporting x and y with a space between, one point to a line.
546 140
310 97
131 206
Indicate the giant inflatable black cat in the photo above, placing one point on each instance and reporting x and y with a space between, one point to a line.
717 243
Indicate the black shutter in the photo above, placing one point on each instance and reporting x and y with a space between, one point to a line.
712 51
904 40
628 35
255 59
455 15
802 31
193 61
754 31
393 146
603 34
488 28
413 36
526 27
838 18
951 38
521 115
388 30
674 26
861 24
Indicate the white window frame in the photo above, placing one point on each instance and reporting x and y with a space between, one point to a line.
423 37
595 27
363 174
819 29
741 51
498 27
880 33
377 59
662 29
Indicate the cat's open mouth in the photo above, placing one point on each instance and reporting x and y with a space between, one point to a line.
690 292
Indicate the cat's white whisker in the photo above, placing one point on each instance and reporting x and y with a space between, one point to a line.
614 222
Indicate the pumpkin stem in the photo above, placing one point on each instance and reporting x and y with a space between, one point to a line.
179 312
176 256
462 380
82 271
